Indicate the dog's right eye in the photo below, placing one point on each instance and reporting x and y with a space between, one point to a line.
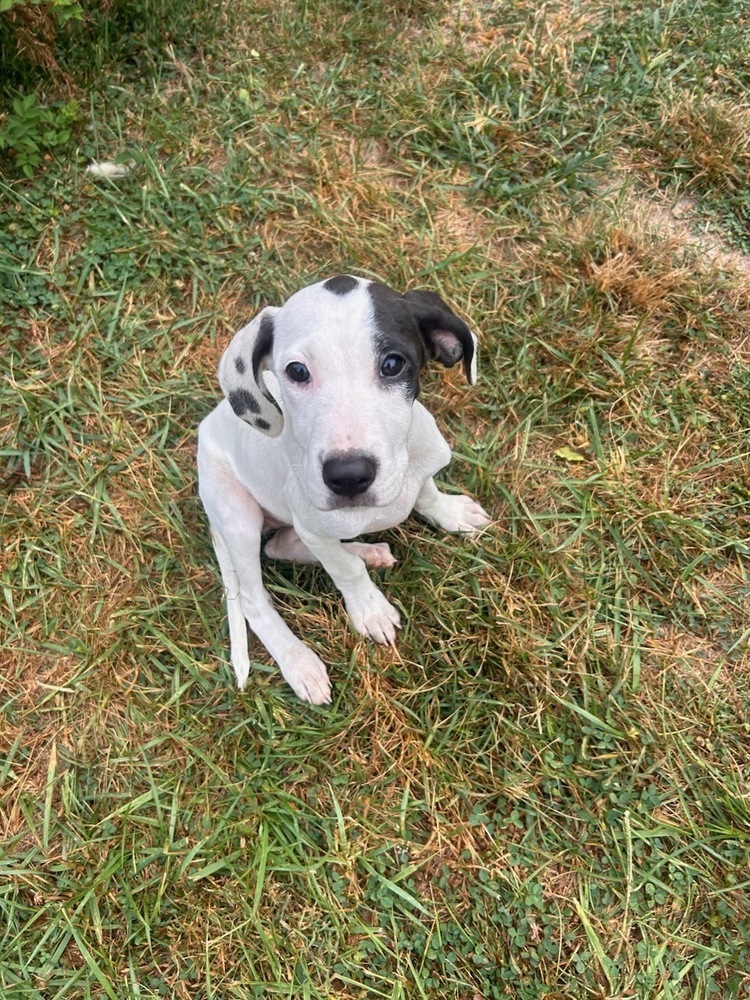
297 372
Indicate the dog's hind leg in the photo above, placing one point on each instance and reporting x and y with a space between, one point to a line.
286 544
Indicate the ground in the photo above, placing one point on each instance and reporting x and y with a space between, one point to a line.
541 791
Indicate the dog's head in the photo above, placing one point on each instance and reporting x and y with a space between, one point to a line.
336 368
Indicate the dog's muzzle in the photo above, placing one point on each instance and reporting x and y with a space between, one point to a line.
350 474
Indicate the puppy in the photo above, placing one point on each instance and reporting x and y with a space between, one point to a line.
322 438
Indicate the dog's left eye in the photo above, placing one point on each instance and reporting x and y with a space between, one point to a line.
297 372
392 365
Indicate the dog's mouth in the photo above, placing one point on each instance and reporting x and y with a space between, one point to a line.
351 503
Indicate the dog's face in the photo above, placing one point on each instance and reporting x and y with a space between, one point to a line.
336 369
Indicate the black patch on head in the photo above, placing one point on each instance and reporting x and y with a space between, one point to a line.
261 424
341 284
397 333
239 364
243 402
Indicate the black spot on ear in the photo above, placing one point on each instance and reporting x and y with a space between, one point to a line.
341 284
243 402
239 364
261 424
263 345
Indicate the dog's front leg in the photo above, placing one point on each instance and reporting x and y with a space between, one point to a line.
369 611
451 512
236 522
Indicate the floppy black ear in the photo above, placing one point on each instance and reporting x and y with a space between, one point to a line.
241 372
446 336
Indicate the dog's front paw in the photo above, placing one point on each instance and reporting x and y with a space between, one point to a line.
374 616
308 678
458 514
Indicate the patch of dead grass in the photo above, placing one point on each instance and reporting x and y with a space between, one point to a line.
678 224
622 275
712 134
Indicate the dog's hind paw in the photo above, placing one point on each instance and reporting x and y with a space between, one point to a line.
308 678
376 555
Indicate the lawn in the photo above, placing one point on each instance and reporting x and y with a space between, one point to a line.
544 790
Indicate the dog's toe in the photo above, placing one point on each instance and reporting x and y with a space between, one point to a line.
317 693
308 678
374 617
472 516
382 630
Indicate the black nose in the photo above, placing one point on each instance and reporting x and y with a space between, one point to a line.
349 475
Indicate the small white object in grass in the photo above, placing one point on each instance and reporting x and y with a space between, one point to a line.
112 171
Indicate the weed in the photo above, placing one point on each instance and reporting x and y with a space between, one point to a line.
30 130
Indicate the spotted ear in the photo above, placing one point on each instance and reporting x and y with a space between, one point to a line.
241 374
447 338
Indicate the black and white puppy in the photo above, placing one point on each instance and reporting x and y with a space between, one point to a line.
321 437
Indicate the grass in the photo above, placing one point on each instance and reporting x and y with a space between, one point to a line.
542 791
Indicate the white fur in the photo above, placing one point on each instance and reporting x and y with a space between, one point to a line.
266 470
